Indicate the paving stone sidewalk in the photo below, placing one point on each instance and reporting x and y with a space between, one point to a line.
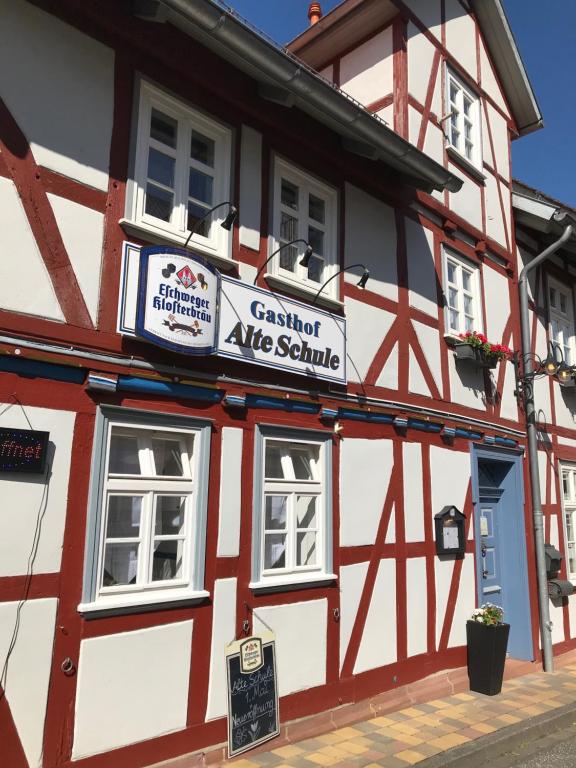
419 732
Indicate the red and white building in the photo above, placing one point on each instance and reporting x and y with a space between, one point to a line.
191 500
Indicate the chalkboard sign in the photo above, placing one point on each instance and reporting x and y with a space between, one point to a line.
253 715
23 450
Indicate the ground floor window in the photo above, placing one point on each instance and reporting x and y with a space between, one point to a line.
569 507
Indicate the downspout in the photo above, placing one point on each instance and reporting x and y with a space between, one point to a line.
537 516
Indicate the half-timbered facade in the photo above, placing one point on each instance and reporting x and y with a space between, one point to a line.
187 501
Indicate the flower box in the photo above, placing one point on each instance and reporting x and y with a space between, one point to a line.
475 355
487 645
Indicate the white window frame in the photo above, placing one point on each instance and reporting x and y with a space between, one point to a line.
457 120
561 319
568 490
218 241
307 185
462 265
193 485
321 487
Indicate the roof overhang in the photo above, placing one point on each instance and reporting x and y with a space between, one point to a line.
352 20
545 218
286 80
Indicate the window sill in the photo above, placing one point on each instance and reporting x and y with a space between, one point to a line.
286 583
140 603
275 281
466 164
156 236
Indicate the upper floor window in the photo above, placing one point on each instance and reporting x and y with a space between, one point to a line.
569 505
304 208
146 526
182 169
561 309
463 125
462 294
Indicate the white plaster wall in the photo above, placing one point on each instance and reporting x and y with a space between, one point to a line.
508 403
450 472
507 203
247 272
495 223
413 492
378 644
565 406
497 300
23 498
429 13
417 605
25 285
223 632
489 81
443 575
416 382
82 230
542 463
366 72
389 375
387 114
420 58
230 492
131 686
466 384
572 616
352 578
465 603
467 203
499 130
434 147
557 618
371 240
461 36
28 670
430 343
554 533
414 122
422 279
68 125
300 630
565 440
365 464
250 187
361 346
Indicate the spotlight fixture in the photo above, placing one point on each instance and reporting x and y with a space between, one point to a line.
304 260
226 224
361 283
565 375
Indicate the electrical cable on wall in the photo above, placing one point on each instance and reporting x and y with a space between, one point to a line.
31 557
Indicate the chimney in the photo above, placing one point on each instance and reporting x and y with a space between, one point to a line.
314 13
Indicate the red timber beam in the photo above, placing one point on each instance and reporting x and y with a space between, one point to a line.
21 167
12 750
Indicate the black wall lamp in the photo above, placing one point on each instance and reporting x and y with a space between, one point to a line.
226 224
553 365
361 283
306 258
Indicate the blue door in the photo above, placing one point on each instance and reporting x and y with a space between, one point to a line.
501 560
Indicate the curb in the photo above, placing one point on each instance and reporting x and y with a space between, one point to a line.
494 745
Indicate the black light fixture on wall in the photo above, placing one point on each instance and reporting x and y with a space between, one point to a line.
225 224
305 258
553 365
361 283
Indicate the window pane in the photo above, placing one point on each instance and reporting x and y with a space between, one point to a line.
202 149
316 240
288 258
455 140
306 512
306 548
169 515
468 324
451 272
302 458
158 202
553 297
120 564
289 195
316 208
275 550
124 455
468 305
288 227
454 319
468 150
273 467
195 213
452 297
276 507
200 186
161 168
167 560
167 457
453 91
163 128
562 303
466 280
467 106
123 517
315 269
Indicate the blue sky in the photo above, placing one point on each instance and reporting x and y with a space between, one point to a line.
546 37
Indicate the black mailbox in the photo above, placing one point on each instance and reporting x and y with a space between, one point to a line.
449 529
553 561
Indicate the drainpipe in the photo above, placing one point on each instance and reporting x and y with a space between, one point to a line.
537 516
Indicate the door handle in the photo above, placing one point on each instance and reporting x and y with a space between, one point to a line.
483 549
484 574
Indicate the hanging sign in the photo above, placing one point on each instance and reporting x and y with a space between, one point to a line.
23 450
261 327
253 715
177 305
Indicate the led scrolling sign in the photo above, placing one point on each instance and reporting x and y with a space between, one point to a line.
23 450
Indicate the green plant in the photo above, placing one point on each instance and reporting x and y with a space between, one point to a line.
478 340
488 614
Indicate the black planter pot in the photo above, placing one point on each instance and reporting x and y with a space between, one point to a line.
475 355
487 644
